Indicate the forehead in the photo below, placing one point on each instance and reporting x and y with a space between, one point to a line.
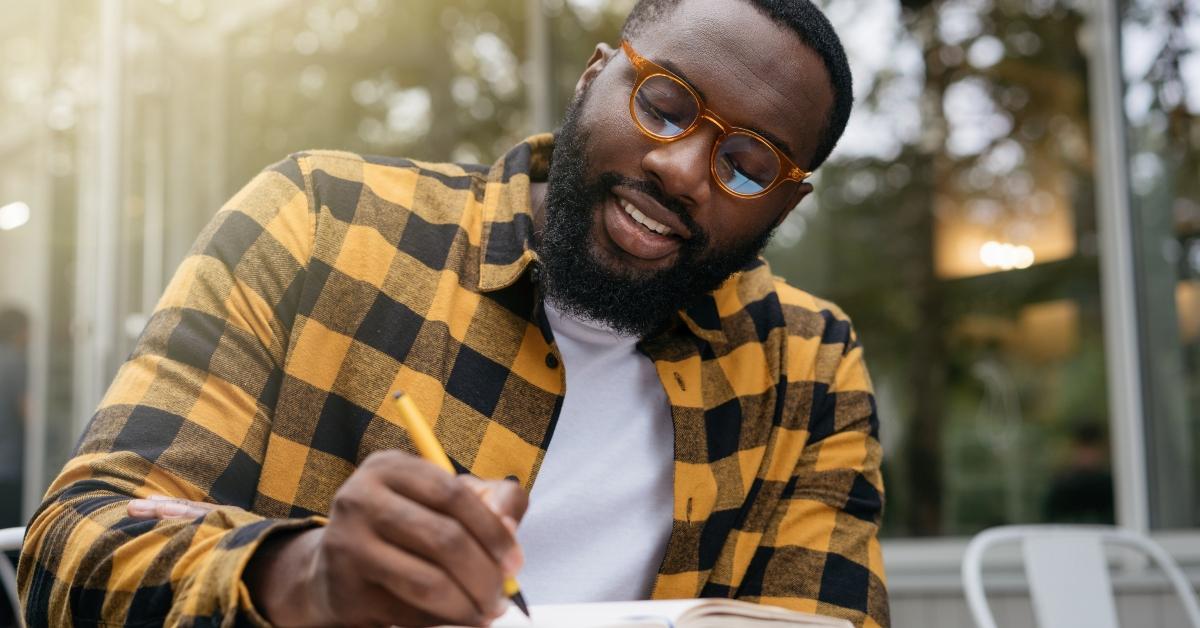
751 70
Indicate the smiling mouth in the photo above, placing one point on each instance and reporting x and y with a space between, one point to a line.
643 219
638 238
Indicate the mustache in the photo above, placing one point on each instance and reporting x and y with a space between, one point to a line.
609 180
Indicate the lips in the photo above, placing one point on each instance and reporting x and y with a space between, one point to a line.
650 208
638 235
643 219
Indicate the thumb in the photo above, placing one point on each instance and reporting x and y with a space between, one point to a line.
506 498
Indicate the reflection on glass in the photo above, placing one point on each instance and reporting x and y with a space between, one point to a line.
14 367
1161 59
957 228
1081 490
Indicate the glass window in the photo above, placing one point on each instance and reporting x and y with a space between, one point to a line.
1161 62
957 226
45 88
16 222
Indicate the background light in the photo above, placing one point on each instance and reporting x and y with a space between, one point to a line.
13 215
1005 256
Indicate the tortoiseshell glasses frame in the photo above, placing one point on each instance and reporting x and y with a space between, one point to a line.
657 89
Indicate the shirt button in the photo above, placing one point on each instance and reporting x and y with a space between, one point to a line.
551 361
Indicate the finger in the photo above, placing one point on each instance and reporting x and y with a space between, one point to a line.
429 485
444 542
141 509
507 498
158 507
195 508
423 586
372 604
503 497
382 608
479 486
388 611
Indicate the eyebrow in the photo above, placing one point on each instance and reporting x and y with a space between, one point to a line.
771 137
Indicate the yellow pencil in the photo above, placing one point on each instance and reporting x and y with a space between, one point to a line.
431 450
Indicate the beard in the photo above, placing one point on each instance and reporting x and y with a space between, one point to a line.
578 282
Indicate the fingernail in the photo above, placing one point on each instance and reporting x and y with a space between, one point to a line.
174 509
140 508
161 498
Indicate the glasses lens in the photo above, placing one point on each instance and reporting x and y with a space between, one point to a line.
664 108
745 165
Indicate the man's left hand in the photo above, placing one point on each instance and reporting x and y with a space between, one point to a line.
166 507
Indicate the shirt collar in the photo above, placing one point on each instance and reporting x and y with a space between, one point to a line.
506 240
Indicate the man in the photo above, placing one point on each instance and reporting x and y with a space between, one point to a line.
588 317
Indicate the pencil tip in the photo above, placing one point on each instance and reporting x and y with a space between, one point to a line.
398 394
519 600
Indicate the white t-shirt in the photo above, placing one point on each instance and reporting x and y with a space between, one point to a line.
600 511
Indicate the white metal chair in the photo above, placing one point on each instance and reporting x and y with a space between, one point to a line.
10 539
1068 573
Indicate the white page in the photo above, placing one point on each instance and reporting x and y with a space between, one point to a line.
660 614
641 613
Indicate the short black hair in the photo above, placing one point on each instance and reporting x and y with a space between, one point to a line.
812 27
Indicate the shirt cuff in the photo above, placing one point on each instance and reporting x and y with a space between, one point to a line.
233 553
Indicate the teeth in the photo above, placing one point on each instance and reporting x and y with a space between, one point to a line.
645 220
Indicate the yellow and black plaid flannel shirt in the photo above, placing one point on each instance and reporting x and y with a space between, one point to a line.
331 280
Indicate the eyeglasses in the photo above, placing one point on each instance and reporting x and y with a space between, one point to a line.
666 108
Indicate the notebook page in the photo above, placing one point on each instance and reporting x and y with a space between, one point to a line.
695 613
655 614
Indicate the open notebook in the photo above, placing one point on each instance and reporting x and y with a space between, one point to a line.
701 613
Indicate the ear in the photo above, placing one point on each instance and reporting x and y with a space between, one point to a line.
793 201
599 59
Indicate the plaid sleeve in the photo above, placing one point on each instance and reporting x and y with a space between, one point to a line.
188 415
820 552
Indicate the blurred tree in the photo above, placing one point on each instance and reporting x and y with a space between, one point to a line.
420 79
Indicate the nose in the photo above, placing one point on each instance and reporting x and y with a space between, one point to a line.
682 167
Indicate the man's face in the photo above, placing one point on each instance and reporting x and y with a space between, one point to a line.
607 177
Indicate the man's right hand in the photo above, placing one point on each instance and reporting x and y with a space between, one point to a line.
406 544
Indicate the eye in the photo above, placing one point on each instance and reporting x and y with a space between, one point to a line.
740 174
734 179
664 108
653 110
746 164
